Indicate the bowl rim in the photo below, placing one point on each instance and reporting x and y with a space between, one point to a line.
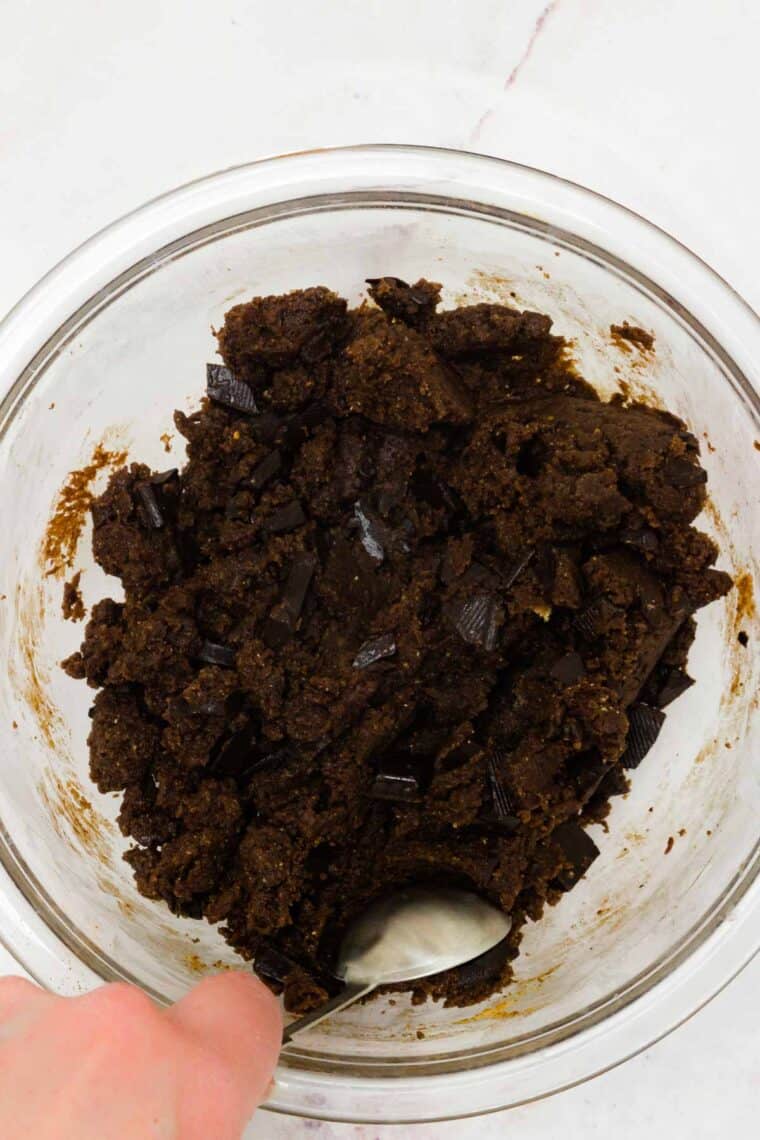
740 913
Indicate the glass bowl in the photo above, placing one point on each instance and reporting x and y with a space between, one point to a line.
92 363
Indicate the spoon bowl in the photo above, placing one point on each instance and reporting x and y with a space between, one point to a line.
415 933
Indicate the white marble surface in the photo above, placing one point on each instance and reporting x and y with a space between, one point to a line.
103 105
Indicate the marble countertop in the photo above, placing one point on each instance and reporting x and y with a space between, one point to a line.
652 103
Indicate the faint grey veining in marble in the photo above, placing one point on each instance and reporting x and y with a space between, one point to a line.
538 27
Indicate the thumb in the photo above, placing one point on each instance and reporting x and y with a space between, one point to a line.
236 1017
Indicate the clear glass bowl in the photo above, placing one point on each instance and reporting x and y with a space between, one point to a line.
116 337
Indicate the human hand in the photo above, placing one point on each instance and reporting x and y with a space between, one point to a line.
111 1065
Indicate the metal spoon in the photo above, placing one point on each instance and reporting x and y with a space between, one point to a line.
415 933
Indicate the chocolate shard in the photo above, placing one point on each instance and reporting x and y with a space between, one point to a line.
376 649
517 568
151 511
270 758
269 963
161 478
429 487
223 387
288 609
214 654
691 441
297 585
684 473
568 669
614 782
265 470
283 620
477 619
286 518
644 539
592 621
398 778
371 531
675 682
578 851
588 771
239 756
375 281
503 813
235 753
644 724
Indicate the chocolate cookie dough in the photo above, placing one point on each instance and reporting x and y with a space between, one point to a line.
410 611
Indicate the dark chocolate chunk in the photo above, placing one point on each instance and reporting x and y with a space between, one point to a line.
503 811
674 683
650 598
269 963
234 754
214 654
187 908
265 470
451 760
517 568
299 579
161 478
451 500
579 852
376 649
223 387
268 758
644 724
398 779
477 619
645 539
239 756
283 620
427 486
684 473
568 669
286 518
151 510
592 621
374 281
691 441
585 621
587 770
614 783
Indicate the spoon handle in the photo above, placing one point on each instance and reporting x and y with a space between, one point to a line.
350 993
